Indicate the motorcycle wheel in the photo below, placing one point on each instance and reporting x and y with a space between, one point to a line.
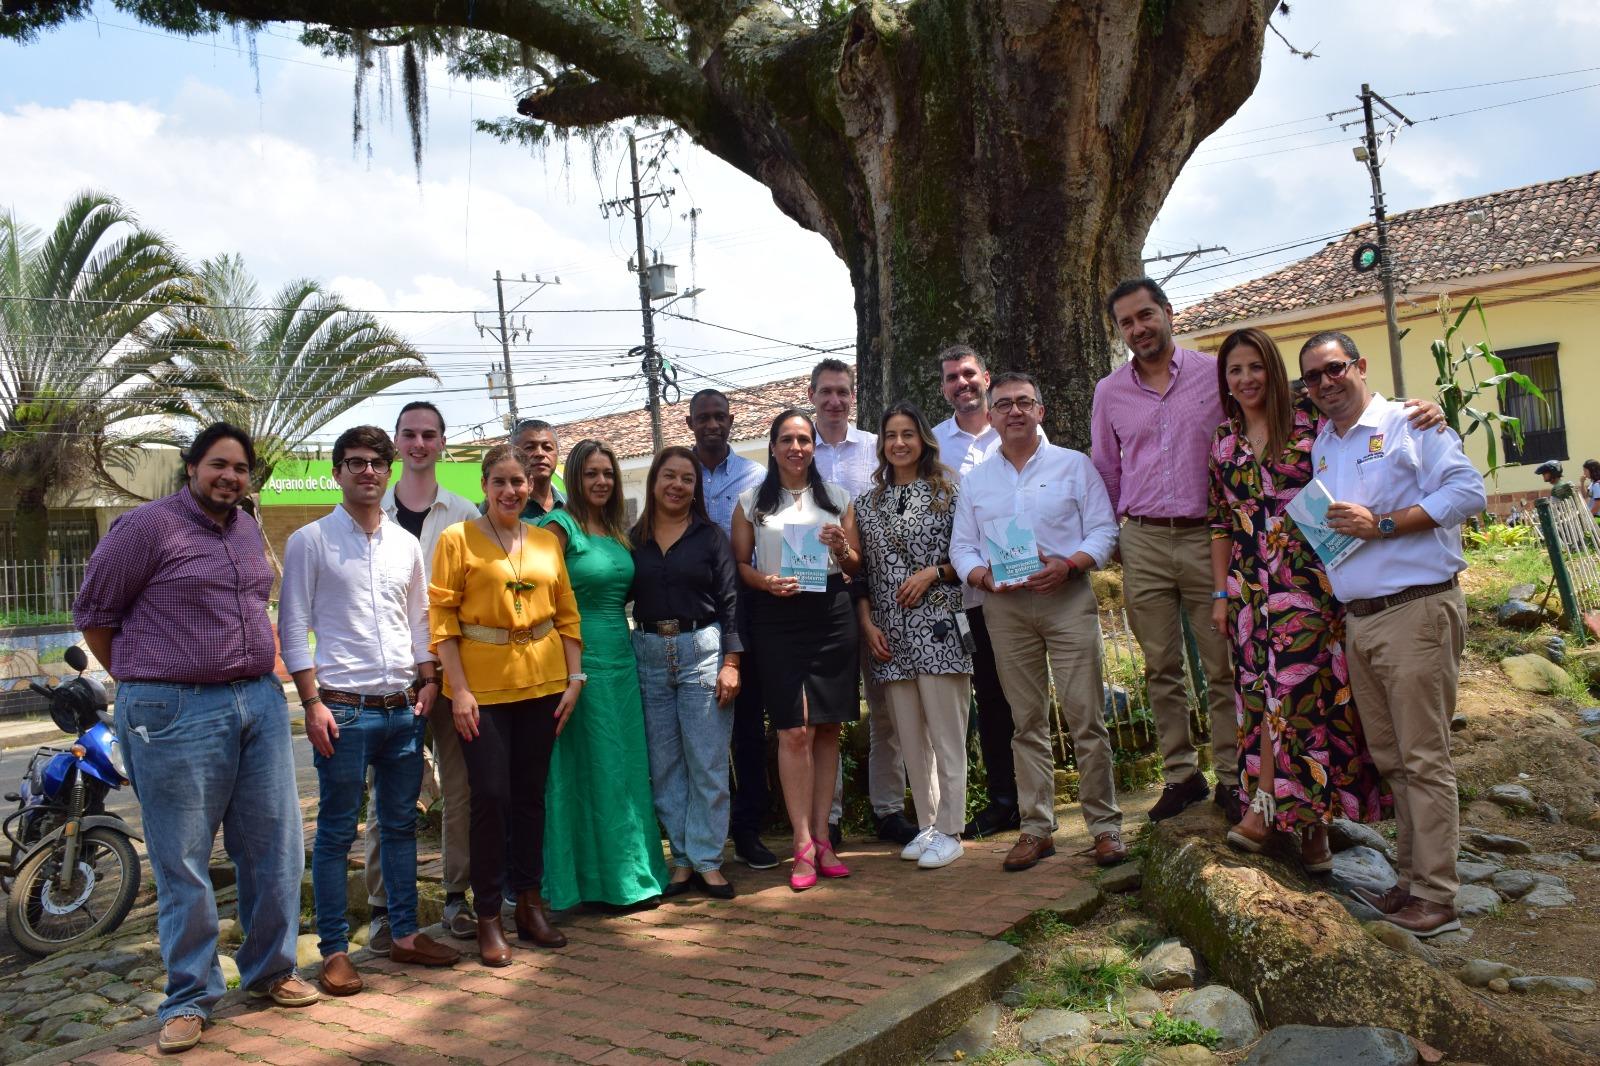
45 919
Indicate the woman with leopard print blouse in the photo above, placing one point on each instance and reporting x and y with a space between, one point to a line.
912 621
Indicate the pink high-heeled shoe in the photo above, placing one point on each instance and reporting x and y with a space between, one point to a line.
801 882
838 869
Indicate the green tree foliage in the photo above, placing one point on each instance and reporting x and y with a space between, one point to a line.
293 363
83 367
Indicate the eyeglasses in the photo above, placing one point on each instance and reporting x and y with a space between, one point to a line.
1333 371
1024 404
356 464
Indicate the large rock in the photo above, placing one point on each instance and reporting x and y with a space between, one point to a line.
1403 941
1511 796
1519 614
1548 896
1182 1055
1498 843
973 1039
1055 1030
1514 884
1558 859
1221 1008
1168 965
83 1002
1290 950
1479 972
1534 673
1554 986
1343 834
1361 867
1591 852
1473 900
1470 873
1300 1045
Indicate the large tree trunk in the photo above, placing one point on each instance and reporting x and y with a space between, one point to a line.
32 524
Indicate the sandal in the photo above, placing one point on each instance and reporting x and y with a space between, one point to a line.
1319 861
800 882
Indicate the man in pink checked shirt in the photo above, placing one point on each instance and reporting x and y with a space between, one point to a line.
1151 435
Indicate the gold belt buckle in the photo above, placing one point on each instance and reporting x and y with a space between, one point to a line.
668 629
522 636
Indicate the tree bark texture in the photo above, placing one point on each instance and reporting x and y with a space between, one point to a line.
1297 955
986 169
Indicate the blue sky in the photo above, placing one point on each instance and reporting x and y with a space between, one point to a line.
179 130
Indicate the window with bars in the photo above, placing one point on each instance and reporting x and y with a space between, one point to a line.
1544 423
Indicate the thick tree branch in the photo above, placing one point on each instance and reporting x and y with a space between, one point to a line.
610 53
573 99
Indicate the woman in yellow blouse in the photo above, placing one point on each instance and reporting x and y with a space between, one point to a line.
504 624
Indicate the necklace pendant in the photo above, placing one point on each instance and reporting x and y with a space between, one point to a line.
517 603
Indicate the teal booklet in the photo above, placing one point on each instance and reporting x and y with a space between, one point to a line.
1012 548
1309 509
805 557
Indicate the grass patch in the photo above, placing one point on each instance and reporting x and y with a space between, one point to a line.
1175 1032
1527 564
1069 986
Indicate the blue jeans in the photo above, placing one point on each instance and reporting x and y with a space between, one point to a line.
390 741
688 736
201 756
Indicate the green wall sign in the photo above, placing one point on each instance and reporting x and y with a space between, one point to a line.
309 482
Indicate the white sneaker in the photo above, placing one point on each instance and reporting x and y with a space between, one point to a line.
941 850
913 851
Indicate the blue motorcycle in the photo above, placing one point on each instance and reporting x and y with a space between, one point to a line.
73 873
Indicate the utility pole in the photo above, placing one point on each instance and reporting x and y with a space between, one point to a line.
1184 259
506 334
651 363
1385 264
505 354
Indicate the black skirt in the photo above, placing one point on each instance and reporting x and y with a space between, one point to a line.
807 646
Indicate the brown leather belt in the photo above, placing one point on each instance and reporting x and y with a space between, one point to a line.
389 701
1170 523
1362 608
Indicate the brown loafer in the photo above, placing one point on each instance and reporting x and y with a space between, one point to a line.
492 947
1109 849
425 951
1027 851
1425 918
339 976
1386 902
179 1033
288 991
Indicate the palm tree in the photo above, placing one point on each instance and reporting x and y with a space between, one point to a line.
82 377
294 364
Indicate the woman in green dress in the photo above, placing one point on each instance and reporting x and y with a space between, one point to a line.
601 844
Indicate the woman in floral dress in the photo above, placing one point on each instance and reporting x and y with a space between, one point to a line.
1300 743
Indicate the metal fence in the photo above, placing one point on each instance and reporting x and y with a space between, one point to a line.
38 594
1569 535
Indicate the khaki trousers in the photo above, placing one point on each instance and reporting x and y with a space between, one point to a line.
1404 664
457 795
930 718
1036 637
1165 571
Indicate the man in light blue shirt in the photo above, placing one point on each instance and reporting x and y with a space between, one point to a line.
1405 493
724 474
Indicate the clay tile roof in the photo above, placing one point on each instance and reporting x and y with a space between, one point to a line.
1553 222
629 431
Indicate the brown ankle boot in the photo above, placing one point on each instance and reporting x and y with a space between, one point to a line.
533 923
492 947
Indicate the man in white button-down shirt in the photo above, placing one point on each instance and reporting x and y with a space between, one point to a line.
355 579
1405 493
848 455
424 508
1049 624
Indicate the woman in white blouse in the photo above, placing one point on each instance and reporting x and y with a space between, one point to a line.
791 538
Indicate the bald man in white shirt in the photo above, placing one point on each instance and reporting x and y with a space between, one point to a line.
1049 625
1405 493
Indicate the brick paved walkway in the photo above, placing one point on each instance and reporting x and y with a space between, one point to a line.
693 981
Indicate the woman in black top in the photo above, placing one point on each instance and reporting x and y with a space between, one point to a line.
687 644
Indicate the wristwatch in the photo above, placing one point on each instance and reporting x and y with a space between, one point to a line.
1386 525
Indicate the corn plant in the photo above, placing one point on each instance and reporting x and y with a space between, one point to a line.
1460 387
